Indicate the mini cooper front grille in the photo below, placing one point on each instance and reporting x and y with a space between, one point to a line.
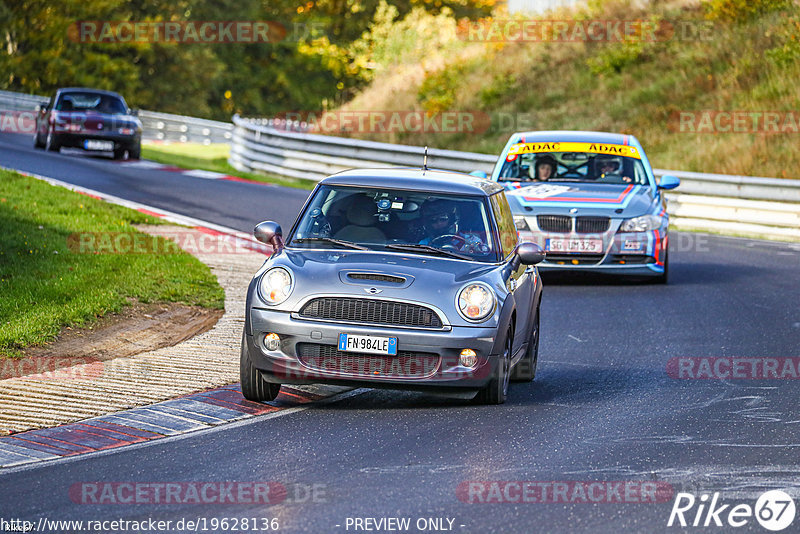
370 311
554 223
592 225
377 277
407 364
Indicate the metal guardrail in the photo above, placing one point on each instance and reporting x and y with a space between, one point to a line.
738 205
155 126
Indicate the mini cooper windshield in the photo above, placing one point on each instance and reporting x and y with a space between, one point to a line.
526 162
412 222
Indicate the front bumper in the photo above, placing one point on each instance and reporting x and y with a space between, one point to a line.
289 365
76 140
635 253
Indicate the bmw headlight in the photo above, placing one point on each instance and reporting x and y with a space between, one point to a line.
476 301
275 285
645 223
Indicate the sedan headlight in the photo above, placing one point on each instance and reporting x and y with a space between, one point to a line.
521 224
645 223
476 301
275 286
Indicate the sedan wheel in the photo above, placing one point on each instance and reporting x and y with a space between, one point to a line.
50 143
496 390
254 387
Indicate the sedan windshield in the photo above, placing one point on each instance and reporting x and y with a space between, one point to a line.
412 222
594 167
101 103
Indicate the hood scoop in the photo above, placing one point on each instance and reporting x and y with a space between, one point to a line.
376 279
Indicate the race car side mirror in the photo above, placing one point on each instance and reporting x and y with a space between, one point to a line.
479 174
669 182
270 233
530 253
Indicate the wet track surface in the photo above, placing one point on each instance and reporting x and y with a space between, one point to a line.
602 408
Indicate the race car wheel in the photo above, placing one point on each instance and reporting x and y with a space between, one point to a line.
525 370
119 153
254 387
135 152
496 390
37 142
663 278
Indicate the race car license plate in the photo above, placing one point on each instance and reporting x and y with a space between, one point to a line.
369 344
588 246
95 144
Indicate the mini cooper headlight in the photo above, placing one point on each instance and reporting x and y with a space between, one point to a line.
275 285
645 223
476 301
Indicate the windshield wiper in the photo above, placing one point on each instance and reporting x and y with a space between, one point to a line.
415 247
340 242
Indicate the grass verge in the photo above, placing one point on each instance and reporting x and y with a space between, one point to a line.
213 157
47 284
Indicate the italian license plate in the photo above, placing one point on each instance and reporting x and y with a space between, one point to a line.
369 344
577 246
95 144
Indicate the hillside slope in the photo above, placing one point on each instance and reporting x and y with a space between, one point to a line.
706 60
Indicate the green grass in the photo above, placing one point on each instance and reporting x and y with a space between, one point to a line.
213 157
46 284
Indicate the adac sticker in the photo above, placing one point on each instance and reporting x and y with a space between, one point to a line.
598 148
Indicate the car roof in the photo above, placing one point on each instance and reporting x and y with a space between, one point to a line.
88 90
574 137
433 181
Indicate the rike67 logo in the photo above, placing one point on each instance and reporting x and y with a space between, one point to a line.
774 510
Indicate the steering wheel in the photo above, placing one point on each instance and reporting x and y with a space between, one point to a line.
451 237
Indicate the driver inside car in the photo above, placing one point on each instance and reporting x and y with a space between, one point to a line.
440 228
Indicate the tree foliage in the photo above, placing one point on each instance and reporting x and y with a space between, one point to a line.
321 61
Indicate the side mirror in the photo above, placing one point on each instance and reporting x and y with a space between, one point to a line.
530 253
133 112
269 233
669 182
41 106
479 174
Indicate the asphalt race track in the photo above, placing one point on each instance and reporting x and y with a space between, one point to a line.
602 408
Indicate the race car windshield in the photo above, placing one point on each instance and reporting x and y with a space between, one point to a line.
594 167
414 222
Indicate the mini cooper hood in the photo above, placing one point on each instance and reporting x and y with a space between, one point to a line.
559 198
426 277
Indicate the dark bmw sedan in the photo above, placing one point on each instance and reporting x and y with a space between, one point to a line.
406 279
90 119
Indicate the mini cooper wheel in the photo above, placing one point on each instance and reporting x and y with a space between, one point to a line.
525 370
254 387
496 390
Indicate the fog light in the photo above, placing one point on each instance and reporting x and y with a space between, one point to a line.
468 358
272 341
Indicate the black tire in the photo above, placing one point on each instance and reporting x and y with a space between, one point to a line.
50 143
664 277
496 390
254 387
525 370
37 142
135 152
120 153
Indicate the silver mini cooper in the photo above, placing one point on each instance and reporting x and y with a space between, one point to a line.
395 278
